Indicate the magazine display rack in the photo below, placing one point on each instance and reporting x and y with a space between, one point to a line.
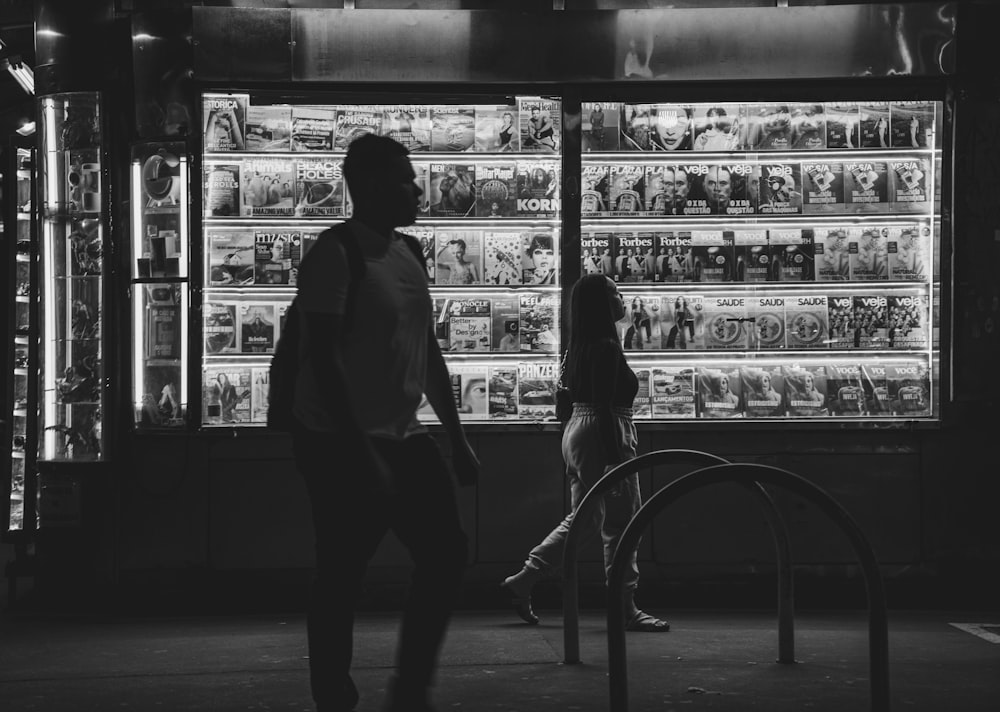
488 221
778 261
160 239
22 406
73 218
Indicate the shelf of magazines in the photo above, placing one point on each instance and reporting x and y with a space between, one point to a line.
160 240
24 385
72 277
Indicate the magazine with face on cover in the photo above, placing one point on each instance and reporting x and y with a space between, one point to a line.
867 254
470 388
871 319
908 248
763 391
908 319
845 389
496 190
720 390
806 390
497 129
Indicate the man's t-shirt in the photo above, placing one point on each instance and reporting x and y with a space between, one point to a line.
385 350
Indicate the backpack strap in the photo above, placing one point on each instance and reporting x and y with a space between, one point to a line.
414 245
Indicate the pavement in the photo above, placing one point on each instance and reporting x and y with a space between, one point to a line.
719 660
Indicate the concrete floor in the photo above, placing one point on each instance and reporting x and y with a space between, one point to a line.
719 660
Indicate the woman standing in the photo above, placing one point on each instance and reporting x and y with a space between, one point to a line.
599 435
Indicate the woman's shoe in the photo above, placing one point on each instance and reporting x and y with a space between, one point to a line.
519 587
643 622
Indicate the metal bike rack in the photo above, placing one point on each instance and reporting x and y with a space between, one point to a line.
878 634
571 597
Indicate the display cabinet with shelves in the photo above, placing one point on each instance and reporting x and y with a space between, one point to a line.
489 224
778 261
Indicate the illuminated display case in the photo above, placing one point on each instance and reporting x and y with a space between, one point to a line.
72 259
22 404
489 225
779 261
160 287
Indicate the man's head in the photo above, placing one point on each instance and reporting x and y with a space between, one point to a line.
380 179
675 184
718 186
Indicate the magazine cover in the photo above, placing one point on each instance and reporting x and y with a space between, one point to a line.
269 128
163 330
806 321
536 385
713 256
277 254
871 319
506 318
539 261
640 328
727 188
670 127
408 124
682 321
752 254
769 127
425 236
230 258
642 404
459 257
873 380
843 329
319 187
595 253
257 328
225 121
282 309
310 236
808 127
867 254
541 125
805 390
496 190
626 192
779 189
689 189
672 391
452 190
453 128
594 195
719 391
726 325
538 193
469 387
421 179
268 187
908 318
313 128
874 118
912 124
833 260
909 185
843 126
909 388
634 134
658 186
258 395
470 325
440 311
763 391
539 328
226 394
497 129
675 262
718 127
502 258
908 249
845 390
866 188
219 328
600 126
502 390
823 188
222 190
634 258
767 322
354 122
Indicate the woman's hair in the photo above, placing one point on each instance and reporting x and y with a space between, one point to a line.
590 322
459 242
539 242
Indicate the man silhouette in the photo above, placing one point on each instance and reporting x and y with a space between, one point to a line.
368 464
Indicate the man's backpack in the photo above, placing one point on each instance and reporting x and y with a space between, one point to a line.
284 369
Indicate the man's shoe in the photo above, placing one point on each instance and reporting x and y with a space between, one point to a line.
401 699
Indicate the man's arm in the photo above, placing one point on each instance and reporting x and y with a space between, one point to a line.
438 391
323 351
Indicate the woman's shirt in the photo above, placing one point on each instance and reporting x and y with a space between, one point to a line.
605 381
